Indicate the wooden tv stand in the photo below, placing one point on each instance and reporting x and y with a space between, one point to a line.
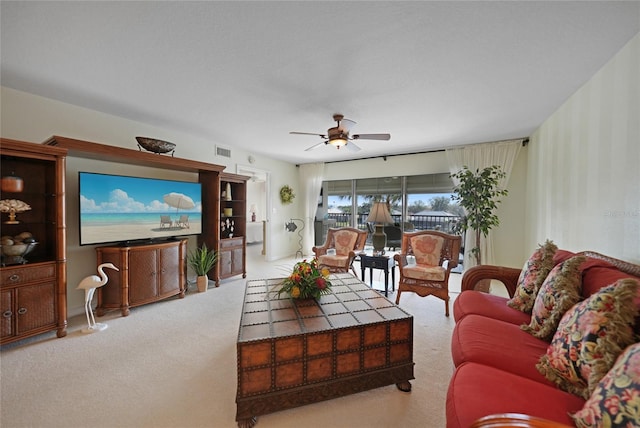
148 273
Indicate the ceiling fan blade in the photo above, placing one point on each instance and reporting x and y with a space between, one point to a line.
346 124
351 146
371 136
315 146
308 133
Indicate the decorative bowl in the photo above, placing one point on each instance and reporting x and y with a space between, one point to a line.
156 146
14 254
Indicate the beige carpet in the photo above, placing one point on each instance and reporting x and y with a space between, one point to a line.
173 364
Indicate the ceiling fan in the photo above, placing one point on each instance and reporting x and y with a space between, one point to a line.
338 136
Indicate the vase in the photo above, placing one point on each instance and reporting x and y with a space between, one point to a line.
228 192
203 283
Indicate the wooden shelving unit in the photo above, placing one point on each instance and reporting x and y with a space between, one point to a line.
233 225
33 288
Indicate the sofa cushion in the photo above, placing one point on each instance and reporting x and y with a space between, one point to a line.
559 292
590 337
533 274
488 305
561 256
427 249
498 344
600 274
477 390
615 402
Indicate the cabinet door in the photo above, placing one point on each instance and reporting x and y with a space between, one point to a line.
236 264
35 307
143 275
224 261
6 311
169 271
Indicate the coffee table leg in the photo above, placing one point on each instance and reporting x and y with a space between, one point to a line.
247 423
404 386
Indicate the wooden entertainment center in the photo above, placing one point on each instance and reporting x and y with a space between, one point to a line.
33 285
213 181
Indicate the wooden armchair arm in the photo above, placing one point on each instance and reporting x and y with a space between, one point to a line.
508 276
320 251
401 259
513 420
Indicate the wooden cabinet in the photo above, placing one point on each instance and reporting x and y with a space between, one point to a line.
227 232
33 287
231 257
147 273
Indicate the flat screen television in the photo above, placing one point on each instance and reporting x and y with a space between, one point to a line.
127 210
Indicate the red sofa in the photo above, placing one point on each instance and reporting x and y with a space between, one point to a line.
495 360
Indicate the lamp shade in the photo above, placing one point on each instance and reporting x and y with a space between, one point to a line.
253 208
379 213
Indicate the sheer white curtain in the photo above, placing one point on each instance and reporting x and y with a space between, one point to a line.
479 156
311 176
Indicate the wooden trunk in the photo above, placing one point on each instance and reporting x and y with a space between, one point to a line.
292 353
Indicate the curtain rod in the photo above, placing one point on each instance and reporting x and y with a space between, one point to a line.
525 141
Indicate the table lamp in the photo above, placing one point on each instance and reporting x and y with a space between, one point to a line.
379 215
253 210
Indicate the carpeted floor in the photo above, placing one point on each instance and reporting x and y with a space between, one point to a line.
173 364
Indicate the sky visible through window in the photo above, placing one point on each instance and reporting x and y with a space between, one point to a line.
336 201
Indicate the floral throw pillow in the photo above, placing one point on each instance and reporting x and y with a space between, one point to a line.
615 402
590 336
557 294
533 274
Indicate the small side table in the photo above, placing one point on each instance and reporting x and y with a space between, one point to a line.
382 262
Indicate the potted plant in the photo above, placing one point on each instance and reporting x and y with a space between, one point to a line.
202 260
478 193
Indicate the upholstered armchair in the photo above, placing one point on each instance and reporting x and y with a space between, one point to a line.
346 242
435 254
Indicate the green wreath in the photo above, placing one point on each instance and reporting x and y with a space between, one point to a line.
286 194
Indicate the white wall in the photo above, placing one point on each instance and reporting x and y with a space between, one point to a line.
584 165
31 118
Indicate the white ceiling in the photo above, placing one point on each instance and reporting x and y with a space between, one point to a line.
244 74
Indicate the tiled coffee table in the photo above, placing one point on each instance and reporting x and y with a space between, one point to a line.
292 353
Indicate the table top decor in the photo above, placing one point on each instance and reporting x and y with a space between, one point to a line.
156 146
306 281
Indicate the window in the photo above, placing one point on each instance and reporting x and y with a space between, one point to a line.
422 200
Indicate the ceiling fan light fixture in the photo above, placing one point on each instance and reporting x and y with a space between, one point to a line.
338 142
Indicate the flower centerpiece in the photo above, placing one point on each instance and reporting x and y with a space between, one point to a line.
306 281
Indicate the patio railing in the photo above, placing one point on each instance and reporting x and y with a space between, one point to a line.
420 222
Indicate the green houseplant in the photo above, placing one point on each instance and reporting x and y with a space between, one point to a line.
478 193
202 260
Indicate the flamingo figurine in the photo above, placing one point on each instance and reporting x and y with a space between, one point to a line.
89 285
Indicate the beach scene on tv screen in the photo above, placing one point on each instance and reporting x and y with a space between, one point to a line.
120 208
